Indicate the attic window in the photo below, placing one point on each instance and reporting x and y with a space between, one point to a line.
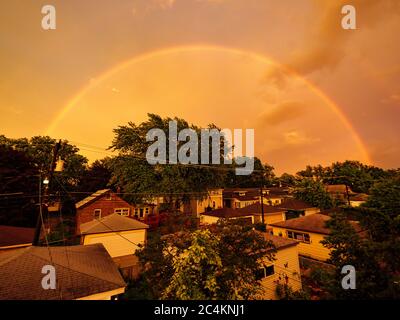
97 214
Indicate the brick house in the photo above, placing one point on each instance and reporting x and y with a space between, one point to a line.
101 204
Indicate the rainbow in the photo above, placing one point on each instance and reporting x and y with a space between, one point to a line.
208 48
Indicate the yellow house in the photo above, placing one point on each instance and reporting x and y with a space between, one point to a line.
213 216
309 231
81 273
285 269
121 236
271 213
213 200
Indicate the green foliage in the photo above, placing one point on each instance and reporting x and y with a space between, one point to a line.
262 176
375 259
358 176
132 172
285 292
216 263
313 192
196 269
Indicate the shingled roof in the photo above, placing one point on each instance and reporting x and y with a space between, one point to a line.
15 236
294 204
315 223
112 223
81 271
226 213
98 194
255 208
280 242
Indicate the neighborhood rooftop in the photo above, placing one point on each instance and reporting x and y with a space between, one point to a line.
315 223
111 223
255 208
226 213
15 236
81 271
91 198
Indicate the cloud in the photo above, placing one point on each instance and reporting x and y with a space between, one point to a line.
286 111
326 46
298 138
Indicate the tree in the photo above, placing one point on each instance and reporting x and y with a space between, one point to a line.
313 192
262 176
216 263
97 176
196 269
374 277
18 188
287 180
132 172
375 255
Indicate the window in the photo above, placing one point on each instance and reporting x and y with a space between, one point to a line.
141 212
136 212
265 272
214 204
122 211
302 237
97 214
146 210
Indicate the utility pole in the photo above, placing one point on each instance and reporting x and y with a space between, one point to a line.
44 199
262 206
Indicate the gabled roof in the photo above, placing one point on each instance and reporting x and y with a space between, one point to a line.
80 271
255 208
294 204
15 236
315 223
98 194
280 242
226 213
111 223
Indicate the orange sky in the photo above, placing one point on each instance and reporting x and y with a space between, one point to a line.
209 61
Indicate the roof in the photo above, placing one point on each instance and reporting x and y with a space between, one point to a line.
112 223
226 213
338 188
359 197
280 242
80 271
15 236
98 194
294 204
255 208
315 223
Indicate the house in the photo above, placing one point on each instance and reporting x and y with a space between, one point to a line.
240 197
13 238
271 213
309 231
121 236
213 200
284 270
213 216
237 198
275 195
358 199
339 192
82 273
295 208
105 202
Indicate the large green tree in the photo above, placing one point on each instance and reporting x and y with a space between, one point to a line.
176 182
216 263
313 192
